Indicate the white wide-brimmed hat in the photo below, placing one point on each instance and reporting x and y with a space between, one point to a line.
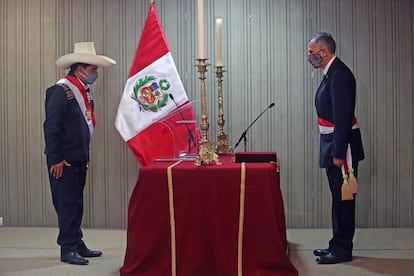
84 52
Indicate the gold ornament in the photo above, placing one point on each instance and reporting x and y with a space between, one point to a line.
346 189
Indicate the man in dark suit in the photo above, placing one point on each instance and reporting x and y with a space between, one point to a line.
68 128
340 143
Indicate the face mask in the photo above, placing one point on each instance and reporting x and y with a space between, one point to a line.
91 77
315 59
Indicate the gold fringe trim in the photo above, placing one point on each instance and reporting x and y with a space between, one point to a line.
352 181
346 189
241 220
172 219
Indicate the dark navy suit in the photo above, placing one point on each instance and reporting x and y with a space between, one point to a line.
335 102
67 138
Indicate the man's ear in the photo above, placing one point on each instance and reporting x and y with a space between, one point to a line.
323 52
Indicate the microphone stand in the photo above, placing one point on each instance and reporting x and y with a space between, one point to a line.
244 134
190 133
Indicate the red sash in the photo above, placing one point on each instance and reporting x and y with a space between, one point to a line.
79 85
349 186
326 127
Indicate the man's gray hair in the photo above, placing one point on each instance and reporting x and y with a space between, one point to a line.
326 39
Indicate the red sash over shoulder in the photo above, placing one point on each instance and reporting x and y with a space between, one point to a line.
81 96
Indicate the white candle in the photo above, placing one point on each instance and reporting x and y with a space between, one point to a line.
219 23
200 10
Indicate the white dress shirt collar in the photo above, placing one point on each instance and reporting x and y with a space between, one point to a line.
325 70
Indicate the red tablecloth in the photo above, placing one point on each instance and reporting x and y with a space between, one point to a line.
214 233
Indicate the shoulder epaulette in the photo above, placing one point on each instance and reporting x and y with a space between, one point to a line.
69 93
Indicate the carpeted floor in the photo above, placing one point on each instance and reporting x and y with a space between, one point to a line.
32 251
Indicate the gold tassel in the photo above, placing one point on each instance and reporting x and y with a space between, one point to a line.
346 189
352 181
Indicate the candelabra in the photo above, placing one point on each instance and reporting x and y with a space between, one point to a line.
206 153
222 144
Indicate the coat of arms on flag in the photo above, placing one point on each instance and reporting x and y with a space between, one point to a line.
146 119
150 93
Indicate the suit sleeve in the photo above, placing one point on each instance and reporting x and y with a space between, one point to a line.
343 105
55 109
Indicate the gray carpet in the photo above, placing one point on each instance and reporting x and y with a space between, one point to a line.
32 251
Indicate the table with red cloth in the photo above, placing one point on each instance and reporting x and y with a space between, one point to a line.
210 220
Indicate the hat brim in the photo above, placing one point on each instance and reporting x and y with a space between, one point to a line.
66 61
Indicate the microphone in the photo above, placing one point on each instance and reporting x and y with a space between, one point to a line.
190 133
243 136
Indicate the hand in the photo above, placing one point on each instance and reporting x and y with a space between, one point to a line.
57 169
338 162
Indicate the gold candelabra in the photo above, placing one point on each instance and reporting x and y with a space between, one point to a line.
222 144
206 153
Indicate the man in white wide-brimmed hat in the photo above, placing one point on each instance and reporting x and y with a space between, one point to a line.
68 128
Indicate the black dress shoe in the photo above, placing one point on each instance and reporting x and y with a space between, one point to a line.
87 253
73 258
321 252
84 251
333 259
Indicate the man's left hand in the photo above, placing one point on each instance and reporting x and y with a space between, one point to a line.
338 162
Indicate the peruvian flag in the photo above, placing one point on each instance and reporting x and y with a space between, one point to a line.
145 117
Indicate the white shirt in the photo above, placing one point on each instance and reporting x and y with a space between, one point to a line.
325 70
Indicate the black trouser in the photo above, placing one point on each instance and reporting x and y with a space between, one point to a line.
343 214
67 195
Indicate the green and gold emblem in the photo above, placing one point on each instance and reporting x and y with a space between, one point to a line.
151 93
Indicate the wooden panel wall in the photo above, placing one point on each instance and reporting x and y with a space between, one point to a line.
264 45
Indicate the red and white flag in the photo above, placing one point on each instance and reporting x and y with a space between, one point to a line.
153 90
